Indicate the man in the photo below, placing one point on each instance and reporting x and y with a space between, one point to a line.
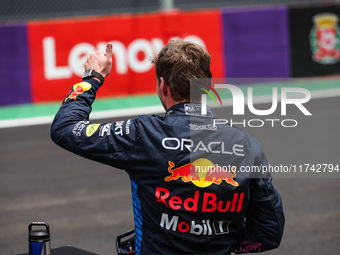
188 195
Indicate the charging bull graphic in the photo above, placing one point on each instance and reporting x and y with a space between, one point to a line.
78 89
217 174
202 172
186 172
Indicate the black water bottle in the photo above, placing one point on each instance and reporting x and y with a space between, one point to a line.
39 239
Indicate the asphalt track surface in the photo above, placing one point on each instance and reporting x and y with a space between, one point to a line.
88 204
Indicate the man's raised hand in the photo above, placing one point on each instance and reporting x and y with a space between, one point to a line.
100 61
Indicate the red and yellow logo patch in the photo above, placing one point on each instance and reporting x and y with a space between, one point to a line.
202 172
78 89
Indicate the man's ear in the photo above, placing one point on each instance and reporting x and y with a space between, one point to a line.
164 88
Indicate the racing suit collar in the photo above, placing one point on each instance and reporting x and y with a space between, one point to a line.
189 108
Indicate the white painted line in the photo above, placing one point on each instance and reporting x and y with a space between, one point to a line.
26 122
325 93
95 115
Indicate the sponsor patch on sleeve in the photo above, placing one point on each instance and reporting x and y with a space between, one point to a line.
91 129
78 89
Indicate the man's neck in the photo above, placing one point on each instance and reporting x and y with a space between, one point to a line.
170 103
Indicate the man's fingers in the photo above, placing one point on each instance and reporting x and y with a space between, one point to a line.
100 61
108 50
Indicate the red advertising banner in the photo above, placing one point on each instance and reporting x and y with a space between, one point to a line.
58 49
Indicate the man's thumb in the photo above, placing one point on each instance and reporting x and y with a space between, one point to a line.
108 50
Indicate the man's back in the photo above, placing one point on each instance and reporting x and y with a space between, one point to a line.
188 195
184 173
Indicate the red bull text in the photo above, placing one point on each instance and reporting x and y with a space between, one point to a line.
199 202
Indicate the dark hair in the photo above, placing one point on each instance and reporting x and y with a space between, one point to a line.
179 62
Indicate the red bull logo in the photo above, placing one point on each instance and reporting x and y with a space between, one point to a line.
200 201
202 172
78 89
217 174
186 173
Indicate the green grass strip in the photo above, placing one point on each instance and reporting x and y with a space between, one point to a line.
50 109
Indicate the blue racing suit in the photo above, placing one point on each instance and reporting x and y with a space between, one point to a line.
190 195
